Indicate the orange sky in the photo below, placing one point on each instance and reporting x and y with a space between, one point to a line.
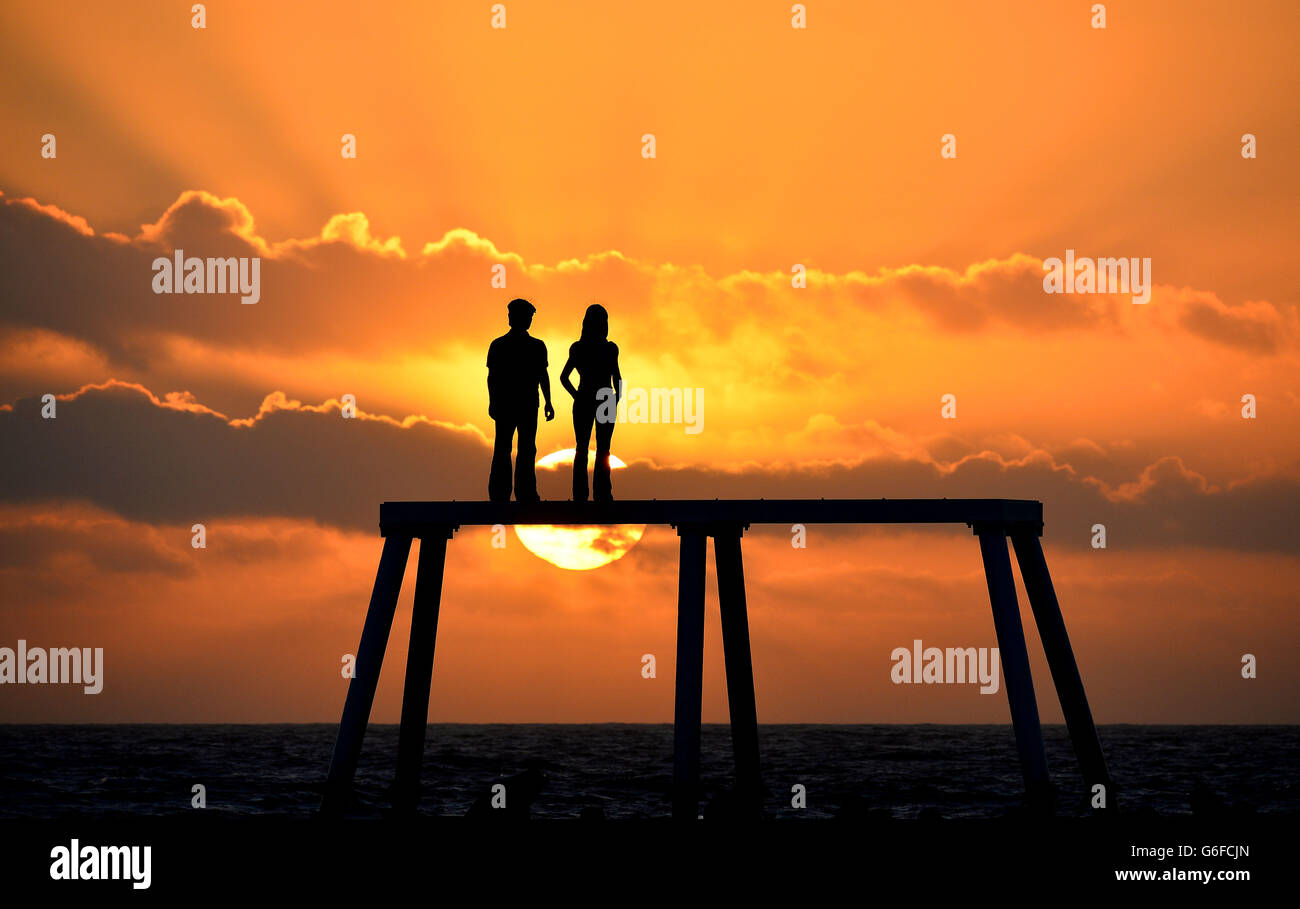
522 147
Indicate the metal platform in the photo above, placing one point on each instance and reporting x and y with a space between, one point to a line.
412 518
725 520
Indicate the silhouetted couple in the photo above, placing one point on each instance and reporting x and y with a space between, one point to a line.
516 364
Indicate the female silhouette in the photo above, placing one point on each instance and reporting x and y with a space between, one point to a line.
596 359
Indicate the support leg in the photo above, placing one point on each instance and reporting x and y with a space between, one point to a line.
1065 671
740 669
1015 665
419 670
690 674
370 657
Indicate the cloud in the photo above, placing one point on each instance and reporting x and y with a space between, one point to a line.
87 541
76 222
171 459
349 288
1254 326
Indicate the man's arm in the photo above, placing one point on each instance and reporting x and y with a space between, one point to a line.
546 387
492 389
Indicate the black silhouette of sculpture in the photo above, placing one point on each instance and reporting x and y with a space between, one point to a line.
516 364
595 400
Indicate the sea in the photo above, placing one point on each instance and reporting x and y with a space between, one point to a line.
623 771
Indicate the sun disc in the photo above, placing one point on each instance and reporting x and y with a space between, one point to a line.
578 548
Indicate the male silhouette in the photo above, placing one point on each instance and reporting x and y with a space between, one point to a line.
596 359
516 364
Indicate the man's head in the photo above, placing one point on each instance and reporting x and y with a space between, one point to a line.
520 313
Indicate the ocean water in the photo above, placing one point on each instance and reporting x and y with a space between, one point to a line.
113 771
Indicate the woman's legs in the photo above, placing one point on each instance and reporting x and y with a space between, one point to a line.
604 435
583 415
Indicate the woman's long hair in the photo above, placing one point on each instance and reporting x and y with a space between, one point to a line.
595 325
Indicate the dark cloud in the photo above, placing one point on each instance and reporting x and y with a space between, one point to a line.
29 544
350 291
1008 291
335 295
1257 328
118 449
121 449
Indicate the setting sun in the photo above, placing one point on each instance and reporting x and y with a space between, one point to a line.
578 548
